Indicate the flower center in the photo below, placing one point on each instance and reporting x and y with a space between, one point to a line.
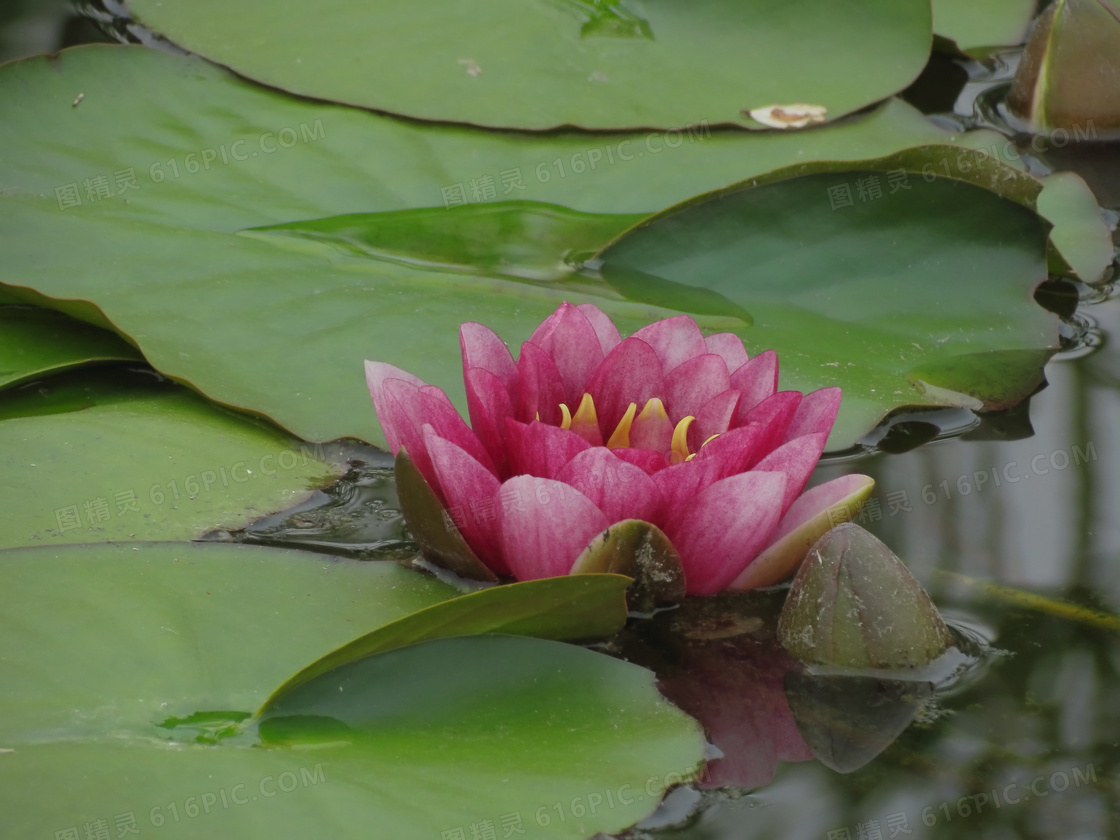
650 429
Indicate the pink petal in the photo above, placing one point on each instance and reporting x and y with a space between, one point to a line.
730 346
412 408
539 449
719 531
693 383
736 450
488 405
377 374
817 500
757 379
807 520
648 462
545 525
774 414
471 492
713 418
540 388
816 413
797 459
652 431
619 489
675 340
572 343
631 373
483 348
681 483
603 325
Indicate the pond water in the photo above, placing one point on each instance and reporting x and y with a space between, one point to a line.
1010 523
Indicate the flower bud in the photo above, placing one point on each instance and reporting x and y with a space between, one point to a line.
853 604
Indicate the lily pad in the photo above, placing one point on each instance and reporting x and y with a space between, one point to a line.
1083 239
119 456
277 323
563 608
857 286
482 728
602 64
37 342
973 26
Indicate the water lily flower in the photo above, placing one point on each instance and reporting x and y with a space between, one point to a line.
586 429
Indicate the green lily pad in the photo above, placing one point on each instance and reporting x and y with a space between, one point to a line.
120 457
562 608
150 634
279 324
38 342
602 64
921 296
1080 235
973 26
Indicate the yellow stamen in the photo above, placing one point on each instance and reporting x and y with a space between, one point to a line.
621 437
566 420
538 416
585 414
709 440
654 409
690 457
680 440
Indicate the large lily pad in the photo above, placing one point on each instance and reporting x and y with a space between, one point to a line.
921 296
120 457
36 342
138 639
603 64
973 26
277 321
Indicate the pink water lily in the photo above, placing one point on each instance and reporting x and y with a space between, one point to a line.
586 429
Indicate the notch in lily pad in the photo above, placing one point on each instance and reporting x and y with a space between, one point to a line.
854 605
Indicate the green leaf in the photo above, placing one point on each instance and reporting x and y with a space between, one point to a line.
38 342
993 23
1080 234
119 457
111 638
150 634
871 293
283 332
515 239
563 608
535 64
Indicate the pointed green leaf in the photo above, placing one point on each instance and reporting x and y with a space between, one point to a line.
563 608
